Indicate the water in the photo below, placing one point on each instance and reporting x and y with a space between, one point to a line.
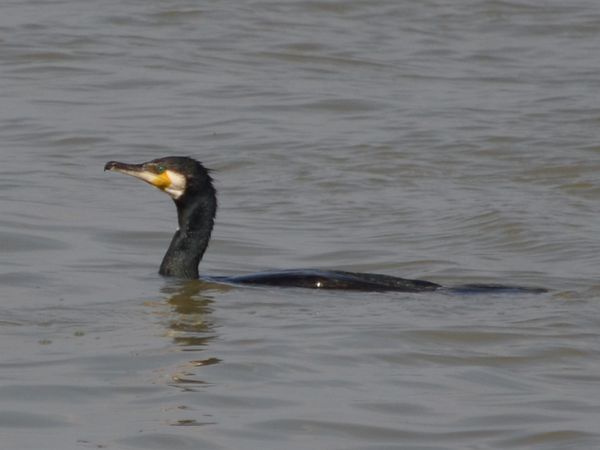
450 141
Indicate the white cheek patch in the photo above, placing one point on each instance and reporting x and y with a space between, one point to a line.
177 187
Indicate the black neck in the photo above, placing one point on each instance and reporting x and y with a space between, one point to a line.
195 214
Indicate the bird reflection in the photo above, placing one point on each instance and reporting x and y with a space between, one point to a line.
190 325
190 322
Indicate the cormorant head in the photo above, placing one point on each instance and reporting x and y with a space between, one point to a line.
175 175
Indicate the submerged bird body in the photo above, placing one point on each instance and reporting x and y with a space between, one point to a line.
190 186
333 279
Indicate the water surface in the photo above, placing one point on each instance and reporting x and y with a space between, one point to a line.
450 141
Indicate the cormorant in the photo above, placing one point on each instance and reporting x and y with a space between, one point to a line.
190 186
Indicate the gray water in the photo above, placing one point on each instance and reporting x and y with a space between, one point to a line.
453 141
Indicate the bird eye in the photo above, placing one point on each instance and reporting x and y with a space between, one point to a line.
160 169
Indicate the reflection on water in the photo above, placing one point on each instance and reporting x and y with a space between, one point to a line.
189 324
190 313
